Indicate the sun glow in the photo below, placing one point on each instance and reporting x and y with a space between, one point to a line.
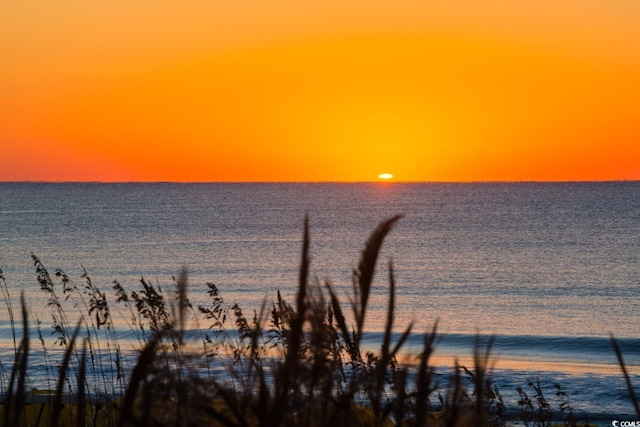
385 176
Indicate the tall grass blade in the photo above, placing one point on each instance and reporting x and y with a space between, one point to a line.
80 397
64 367
363 275
386 342
298 318
632 393
481 379
289 368
385 356
423 379
403 338
407 332
304 267
456 398
138 375
183 302
7 302
339 317
15 398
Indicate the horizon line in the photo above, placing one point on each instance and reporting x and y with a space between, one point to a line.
385 182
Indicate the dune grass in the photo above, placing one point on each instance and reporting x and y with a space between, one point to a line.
297 363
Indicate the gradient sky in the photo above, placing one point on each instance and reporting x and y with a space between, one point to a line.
331 90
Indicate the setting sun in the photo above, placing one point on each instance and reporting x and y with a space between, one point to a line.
386 176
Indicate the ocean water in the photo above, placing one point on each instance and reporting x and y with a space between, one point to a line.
551 269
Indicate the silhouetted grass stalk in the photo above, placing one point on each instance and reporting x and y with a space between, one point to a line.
632 393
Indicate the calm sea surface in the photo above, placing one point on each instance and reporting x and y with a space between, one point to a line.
552 269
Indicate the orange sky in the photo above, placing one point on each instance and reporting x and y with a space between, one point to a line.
331 90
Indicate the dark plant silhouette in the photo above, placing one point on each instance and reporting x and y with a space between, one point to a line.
294 363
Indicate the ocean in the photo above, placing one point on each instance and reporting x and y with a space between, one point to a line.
550 269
